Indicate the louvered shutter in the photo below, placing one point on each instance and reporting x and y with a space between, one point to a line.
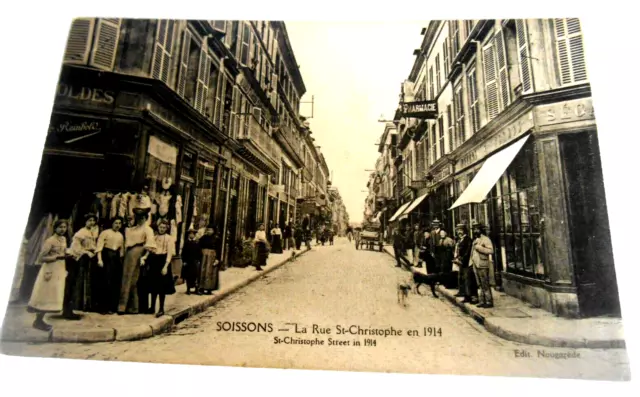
503 73
105 46
490 80
233 124
207 99
199 99
570 48
184 62
218 108
445 55
246 118
450 127
79 41
522 34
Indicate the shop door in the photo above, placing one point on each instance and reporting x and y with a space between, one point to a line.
589 226
186 189
232 218
283 214
252 216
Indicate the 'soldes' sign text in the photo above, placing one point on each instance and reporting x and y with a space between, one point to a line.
85 94
420 109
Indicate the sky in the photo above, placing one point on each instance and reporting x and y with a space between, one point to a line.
354 71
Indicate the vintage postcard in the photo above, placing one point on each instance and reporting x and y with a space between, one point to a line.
237 193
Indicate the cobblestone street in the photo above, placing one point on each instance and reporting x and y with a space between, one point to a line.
341 286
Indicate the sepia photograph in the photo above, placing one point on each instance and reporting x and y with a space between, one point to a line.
233 193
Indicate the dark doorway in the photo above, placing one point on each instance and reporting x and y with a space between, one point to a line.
589 225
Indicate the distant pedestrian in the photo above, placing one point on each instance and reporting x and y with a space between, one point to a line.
399 240
261 247
191 257
416 245
331 237
209 277
160 279
480 257
276 240
298 235
108 278
48 292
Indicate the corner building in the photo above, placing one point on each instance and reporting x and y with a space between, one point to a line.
210 105
514 145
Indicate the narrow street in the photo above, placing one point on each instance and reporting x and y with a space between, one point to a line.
341 286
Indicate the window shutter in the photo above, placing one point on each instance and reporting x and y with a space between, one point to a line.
184 62
570 50
79 41
503 74
208 100
450 127
202 61
161 61
491 83
103 55
233 123
445 55
525 58
218 108
246 118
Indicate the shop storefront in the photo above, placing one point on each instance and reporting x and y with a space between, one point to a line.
537 186
108 139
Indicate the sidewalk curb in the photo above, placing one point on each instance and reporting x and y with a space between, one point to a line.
143 331
492 325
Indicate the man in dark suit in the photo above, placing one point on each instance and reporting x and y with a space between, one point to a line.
468 287
399 242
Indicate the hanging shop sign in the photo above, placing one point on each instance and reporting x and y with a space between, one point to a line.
565 112
498 140
425 110
85 94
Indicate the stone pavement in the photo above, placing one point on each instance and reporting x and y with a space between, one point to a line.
94 327
515 320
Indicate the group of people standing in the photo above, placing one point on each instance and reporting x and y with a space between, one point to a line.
463 263
279 241
110 272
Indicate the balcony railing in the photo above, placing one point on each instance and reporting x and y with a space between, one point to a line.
261 139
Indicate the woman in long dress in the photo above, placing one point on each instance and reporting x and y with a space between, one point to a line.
276 240
160 279
261 246
48 292
138 239
83 248
209 278
109 273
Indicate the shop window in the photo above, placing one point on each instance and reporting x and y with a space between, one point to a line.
516 216
203 199
161 163
188 163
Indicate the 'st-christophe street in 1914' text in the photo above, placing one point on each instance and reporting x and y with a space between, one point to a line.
315 329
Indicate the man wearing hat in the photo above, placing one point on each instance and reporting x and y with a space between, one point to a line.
480 253
462 255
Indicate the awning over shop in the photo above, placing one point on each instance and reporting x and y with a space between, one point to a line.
489 174
399 211
414 204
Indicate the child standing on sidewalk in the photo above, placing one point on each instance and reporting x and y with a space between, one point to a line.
48 291
160 277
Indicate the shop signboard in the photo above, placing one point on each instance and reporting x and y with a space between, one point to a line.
89 95
425 110
565 112
80 133
502 138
